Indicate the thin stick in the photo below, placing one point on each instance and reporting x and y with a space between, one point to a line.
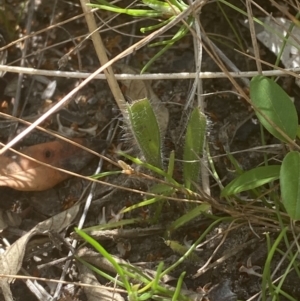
155 76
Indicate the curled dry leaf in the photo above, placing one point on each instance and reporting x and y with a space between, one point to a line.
222 292
21 173
97 292
11 260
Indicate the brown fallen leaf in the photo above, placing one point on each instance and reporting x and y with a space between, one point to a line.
97 292
11 260
24 174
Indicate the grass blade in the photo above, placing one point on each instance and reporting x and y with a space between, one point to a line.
252 179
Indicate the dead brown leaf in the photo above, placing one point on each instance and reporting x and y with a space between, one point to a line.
98 292
24 174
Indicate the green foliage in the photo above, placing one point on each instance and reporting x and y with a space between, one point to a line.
190 215
158 9
146 288
275 109
182 249
143 124
251 179
132 12
105 254
193 147
278 115
145 129
290 184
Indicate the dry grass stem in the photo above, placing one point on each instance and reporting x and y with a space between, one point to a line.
101 53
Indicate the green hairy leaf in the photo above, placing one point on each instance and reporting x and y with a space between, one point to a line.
146 131
193 147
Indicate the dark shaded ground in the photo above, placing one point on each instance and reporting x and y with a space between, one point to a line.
95 105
